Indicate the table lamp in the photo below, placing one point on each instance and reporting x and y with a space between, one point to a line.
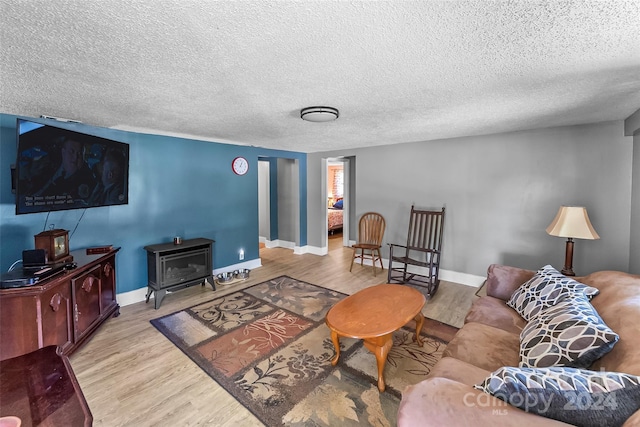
571 222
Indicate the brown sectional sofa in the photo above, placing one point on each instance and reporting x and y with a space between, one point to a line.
489 340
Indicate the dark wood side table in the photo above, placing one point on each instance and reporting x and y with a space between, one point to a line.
41 389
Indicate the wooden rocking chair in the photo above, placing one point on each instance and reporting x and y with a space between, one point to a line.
422 251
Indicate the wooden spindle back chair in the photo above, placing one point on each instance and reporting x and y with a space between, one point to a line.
370 233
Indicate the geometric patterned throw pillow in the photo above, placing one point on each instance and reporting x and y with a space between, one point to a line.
545 289
575 396
571 333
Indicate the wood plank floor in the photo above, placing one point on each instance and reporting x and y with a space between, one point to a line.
131 375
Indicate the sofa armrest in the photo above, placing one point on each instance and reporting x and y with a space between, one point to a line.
633 421
443 402
503 280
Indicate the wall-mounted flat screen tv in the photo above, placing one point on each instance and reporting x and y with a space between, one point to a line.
59 169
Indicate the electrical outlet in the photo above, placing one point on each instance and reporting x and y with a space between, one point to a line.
241 254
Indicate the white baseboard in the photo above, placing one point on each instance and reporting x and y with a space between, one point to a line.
132 297
279 244
314 250
462 278
447 275
297 250
139 295
249 265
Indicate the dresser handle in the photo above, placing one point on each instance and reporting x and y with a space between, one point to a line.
87 284
55 302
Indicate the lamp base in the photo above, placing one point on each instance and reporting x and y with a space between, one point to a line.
568 259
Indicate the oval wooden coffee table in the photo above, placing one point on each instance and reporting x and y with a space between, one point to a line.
373 314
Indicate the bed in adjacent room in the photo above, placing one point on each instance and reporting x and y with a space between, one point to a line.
334 217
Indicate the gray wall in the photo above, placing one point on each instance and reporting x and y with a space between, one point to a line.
501 192
288 199
632 127
634 250
264 218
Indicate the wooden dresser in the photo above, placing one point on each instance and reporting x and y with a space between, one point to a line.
63 310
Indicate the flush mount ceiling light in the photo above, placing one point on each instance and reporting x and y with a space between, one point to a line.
319 114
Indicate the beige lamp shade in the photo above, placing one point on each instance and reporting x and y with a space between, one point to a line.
572 221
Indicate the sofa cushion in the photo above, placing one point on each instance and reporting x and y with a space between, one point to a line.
484 346
437 402
581 397
503 280
457 370
571 333
545 289
494 312
617 302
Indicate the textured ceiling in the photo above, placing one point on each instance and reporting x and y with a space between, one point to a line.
398 71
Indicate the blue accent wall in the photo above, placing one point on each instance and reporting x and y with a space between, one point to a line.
177 187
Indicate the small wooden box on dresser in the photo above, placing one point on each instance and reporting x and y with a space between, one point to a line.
63 310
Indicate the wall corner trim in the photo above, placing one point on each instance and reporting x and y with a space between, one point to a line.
632 124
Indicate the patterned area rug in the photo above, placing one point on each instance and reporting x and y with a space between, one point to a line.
270 348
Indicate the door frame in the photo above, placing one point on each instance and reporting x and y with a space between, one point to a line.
346 196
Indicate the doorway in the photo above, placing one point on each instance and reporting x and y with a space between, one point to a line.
336 195
279 202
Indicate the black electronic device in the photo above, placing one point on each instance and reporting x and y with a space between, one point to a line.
22 277
34 258
59 169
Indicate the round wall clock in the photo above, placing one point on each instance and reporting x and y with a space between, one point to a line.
240 165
